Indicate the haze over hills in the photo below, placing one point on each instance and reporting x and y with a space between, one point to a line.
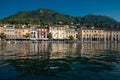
47 16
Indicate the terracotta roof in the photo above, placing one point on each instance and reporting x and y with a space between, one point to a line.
112 29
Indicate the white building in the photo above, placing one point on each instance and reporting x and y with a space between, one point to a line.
58 32
33 33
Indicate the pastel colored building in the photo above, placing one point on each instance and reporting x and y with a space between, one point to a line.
42 33
70 32
19 33
1 30
112 34
58 32
33 33
10 32
99 35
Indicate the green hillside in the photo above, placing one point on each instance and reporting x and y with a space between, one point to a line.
100 21
39 16
47 16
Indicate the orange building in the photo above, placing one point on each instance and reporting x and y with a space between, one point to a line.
1 30
42 33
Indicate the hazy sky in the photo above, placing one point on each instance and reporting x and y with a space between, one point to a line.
72 7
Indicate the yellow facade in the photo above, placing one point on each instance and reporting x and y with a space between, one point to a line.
92 35
70 32
9 32
99 35
20 32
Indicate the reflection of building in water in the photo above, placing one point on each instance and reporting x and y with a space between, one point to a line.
46 50
89 49
38 47
56 50
33 48
18 49
62 50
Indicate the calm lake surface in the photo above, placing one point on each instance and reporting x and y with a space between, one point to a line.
59 61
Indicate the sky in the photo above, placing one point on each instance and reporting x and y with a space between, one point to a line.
71 7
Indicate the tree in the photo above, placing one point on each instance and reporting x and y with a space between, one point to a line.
0 21
49 36
2 36
71 37
27 35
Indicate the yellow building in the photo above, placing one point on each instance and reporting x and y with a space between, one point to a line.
70 32
10 32
112 34
99 35
20 32
91 35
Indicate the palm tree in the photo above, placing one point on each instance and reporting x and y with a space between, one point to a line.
27 35
3 36
49 36
71 37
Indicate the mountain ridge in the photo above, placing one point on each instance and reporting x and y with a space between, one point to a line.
47 16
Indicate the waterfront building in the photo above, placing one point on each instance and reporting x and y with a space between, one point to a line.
42 33
9 31
91 35
25 31
112 34
99 35
33 33
1 29
20 32
70 32
58 32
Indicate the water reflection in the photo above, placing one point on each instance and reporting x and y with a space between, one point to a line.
65 61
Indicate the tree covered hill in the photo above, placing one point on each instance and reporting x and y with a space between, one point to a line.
47 16
39 16
98 20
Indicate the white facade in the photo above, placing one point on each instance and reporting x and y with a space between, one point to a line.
58 32
33 33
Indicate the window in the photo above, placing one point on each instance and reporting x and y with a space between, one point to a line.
31 32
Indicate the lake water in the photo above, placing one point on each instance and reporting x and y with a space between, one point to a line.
59 61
